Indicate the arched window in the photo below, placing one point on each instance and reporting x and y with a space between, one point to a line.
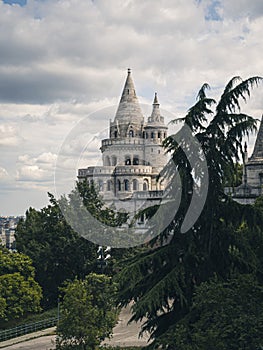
164 135
141 219
108 185
159 135
126 185
115 134
152 135
113 160
146 135
100 185
161 185
107 160
135 160
135 185
127 160
118 185
143 135
131 133
145 185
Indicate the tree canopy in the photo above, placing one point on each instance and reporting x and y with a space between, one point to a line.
57 251
224 315
20 294
88 312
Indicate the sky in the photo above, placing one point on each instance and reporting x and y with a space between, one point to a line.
63 64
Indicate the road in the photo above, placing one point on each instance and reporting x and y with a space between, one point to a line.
123 335
42 343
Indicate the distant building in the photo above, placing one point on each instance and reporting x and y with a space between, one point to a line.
7 231
132 155
252 183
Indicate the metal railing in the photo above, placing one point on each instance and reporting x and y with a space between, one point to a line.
27 328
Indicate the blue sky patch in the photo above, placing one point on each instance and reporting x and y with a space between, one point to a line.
212 11
19 2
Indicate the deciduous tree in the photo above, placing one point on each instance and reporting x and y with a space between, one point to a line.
20 294
58 253
88 312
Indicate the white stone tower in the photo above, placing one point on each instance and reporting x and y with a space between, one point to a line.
133 155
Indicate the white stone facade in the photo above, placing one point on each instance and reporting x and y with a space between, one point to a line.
133 155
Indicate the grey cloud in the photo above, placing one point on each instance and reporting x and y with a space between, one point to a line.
38 86
236 9
61 61
31 118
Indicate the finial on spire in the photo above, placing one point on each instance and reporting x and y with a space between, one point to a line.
155 101
129 70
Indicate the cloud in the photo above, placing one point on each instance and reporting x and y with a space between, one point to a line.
9 135
62 61
243 8
46 158
80 52
6 182
31 173
3 174
36 169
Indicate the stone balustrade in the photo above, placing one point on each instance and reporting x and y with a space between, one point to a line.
115 170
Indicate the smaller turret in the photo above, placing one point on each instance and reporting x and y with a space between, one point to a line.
156 117
155 128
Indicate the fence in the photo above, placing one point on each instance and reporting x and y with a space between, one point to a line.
27 328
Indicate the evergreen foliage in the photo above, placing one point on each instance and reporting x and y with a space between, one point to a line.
224 316
162 281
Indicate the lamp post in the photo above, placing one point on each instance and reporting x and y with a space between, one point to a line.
58 310
103 257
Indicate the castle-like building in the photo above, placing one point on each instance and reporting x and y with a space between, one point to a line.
133 158
132 155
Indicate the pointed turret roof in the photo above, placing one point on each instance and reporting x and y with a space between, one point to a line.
156 117
258 148
156 114
129 110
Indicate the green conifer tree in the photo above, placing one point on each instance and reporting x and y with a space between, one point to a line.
163 280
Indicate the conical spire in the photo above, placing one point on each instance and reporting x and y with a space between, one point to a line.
258 148
156 115
128 93
129 110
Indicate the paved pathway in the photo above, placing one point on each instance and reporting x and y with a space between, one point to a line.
127 335
123 335
41 340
